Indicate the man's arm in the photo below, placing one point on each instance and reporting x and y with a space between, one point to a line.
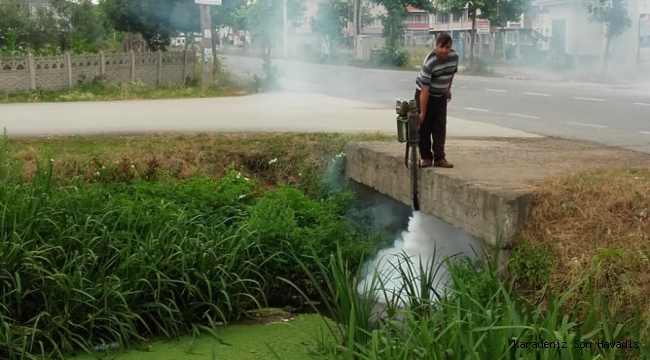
424 99
425 76
451 82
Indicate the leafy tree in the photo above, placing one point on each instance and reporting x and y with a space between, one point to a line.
264 19
79 25
612 14
333 15
21 31
226 13
155 20
393 20
497 11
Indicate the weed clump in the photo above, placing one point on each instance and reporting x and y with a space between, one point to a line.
131 254
595 224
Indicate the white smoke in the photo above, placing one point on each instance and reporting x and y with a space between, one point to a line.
426 240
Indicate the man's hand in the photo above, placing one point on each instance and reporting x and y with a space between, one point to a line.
420 118
449 95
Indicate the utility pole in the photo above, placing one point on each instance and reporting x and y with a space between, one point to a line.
356 18
355 33
207 78
285 30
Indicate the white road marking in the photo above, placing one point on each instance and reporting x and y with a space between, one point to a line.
380 78
475 109
495 90
523 116
537 94
403 80
587 99
644 132
642 104
584 124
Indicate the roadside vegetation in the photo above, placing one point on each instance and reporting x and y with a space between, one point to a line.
594 225
144 239
99 89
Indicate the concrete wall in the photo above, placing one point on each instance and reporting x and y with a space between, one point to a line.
580 35
65 71
585 38
492 214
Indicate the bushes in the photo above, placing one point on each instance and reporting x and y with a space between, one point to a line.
393 56
121 261
477 318
101 263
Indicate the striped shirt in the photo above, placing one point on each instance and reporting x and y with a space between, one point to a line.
437 74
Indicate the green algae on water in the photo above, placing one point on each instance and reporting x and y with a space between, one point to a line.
295 338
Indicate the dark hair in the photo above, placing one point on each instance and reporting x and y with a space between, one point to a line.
443 39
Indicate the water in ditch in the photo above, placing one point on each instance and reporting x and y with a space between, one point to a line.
420 239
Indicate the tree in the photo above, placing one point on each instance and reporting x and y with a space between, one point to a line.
394 18
155 20
21 31
79 25
225 15
497 11
333 15
264 19
613 15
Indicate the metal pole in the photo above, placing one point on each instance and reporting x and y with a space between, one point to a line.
207 78
413 143
285 44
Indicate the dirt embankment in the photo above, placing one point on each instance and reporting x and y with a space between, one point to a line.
590 218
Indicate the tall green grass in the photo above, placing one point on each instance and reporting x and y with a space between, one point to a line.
477 317
102 262
84 265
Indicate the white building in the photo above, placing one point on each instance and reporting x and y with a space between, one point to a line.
576 40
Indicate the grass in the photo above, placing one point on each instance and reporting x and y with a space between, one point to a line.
130 91
592 223
100 89
133 253
138 239
274 158
476 318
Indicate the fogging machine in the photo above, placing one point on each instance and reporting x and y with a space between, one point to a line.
407 132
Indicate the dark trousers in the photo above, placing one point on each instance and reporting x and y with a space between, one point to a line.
433 130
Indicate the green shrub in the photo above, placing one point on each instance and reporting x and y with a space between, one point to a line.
393 56
532 264
128 256
287 222
99 263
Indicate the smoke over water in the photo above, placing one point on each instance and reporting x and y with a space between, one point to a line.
426 240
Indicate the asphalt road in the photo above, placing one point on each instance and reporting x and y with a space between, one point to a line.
616 115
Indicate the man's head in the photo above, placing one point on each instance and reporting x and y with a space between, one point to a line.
443 46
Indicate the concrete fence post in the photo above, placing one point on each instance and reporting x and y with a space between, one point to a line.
132 56
184 67
31 64
160 57
102 63
68 66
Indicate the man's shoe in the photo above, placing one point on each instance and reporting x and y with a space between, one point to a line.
443 164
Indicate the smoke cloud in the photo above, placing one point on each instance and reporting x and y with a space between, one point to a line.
427 241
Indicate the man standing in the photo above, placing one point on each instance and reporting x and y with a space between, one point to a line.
326 49
433 92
